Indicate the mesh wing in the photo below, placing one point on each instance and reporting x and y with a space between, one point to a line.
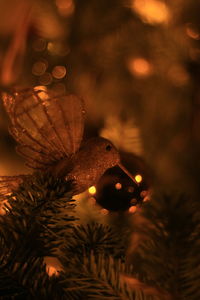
47 127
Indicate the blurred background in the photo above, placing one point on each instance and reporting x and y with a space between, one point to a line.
136 63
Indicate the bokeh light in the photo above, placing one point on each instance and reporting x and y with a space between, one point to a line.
65 7
139 67
59 72
118 186
45 79
39 67
138 178
151 11
92 190
132 209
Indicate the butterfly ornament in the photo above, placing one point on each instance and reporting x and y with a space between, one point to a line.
49 131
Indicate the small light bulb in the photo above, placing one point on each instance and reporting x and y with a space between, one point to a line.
138 178
118 186
92 190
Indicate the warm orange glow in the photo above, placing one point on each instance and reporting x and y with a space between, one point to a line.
118 186
59 72
40 87
138 178
139 67
53 265
92 190
151 11
132 209
43 94
65 7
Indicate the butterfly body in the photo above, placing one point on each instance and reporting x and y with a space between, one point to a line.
49 130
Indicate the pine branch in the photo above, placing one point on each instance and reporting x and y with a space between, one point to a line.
40 222
167 257
42 208
39 219
96 238
103 275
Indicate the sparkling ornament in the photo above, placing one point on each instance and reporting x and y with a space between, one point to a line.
49 130
115 191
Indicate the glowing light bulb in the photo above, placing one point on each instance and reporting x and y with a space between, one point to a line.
118 186
92 190
138 178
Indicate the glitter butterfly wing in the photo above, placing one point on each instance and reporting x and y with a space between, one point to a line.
47 127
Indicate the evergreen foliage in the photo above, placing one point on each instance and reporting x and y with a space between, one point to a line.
168 256
40 222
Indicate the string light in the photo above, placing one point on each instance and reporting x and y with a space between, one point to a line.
92 190
118 186
138 178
